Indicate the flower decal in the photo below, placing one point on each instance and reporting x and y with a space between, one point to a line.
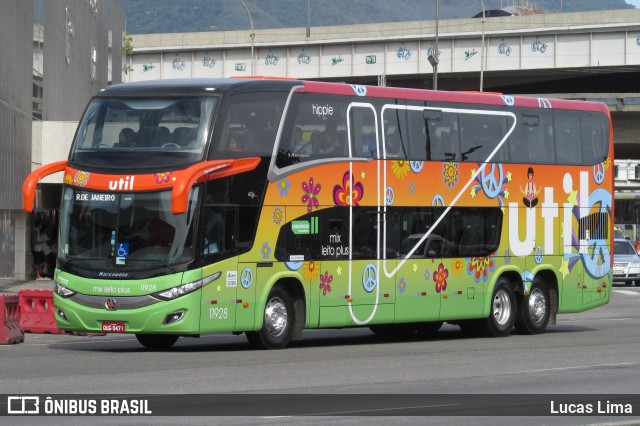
278 215
68 178
400 169
265 250
325 283
480 267
427 274
507 257
457 266
81 178
450 173
310 197
345 195
440 277
311 270
402 285
162 177
412 188
283 186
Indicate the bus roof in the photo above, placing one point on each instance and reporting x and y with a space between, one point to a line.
195 86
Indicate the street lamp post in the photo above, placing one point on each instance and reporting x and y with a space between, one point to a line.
252 35
482 49
434 57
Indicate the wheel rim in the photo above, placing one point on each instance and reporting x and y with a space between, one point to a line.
501 307
275 317
537 305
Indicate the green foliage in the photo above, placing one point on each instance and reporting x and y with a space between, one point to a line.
167 16
127 45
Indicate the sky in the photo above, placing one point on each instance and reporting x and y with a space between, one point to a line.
636 3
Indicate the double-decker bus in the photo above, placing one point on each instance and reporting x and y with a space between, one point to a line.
273 206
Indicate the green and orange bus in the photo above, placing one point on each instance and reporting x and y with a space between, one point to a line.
272 206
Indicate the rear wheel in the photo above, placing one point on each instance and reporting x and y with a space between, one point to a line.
277 326
502 315
533 315
157 341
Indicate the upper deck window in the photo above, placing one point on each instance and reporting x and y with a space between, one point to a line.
143 132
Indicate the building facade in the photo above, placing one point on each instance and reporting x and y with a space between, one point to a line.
56 55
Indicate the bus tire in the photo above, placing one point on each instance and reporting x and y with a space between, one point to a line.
277 325
502 312
157 341
535 309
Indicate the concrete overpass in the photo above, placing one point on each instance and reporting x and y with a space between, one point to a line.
589 55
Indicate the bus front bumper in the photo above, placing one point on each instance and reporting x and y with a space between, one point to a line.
142 314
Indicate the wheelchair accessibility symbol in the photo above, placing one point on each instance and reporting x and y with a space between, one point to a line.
122 250
369 277
246 278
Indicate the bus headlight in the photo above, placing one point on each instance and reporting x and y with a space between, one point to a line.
61 290
184 289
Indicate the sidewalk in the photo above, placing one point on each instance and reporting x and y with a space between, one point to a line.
12 286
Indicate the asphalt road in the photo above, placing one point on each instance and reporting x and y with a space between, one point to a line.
594 352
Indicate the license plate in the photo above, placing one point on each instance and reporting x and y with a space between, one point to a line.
113 327
618 272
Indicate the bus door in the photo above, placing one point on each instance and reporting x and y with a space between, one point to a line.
367 286
219 298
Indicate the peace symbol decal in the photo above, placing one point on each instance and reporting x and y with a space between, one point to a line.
389 196
492 184
598 173
246 278
416 166
369 277
538 255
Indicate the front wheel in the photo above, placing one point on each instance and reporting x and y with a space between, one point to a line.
157 341
534 312
277 326
503 311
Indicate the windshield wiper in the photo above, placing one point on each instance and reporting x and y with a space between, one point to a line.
165 264
81 258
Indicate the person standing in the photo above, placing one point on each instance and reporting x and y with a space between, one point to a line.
39 259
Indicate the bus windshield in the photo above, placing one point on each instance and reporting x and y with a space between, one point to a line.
166 132
131 231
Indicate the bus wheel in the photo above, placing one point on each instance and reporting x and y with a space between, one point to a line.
157 341
502 314
533 315
277 327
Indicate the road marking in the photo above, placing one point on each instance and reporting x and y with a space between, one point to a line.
578 367
635 293
333 413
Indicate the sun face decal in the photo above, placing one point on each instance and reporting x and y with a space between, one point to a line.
480 267
278 216
400 169
81 178
457 266
311 270
450 174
